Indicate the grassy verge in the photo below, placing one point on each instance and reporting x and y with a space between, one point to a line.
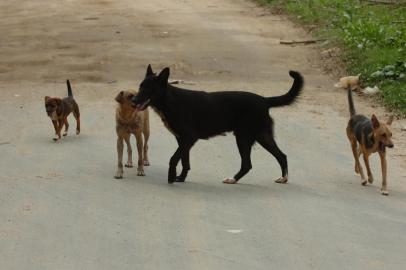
373 38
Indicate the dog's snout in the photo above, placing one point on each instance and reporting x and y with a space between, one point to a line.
134 99
390 145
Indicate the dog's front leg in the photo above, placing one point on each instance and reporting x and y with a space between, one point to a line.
384 189
172 166
129 163
140 168
58 130
65 133
55 123
185 153
355 153
366 161
120 147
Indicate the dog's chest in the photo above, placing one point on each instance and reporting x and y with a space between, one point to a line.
163 118
54 116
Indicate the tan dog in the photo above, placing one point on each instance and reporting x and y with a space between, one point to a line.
58 109
368 136
129 121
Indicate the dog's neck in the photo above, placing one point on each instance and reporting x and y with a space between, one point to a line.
125 114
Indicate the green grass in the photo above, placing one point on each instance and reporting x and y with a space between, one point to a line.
373 38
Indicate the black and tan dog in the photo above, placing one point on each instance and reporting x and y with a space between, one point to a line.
193 115
59 109
129 121
368 136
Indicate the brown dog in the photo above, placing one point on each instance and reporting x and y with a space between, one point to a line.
129 121
371 136
59 109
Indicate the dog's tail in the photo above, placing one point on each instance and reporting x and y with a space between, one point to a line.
70 94
290 96
351 102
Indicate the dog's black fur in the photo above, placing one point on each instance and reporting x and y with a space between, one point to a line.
192 115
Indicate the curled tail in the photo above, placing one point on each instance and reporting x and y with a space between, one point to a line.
70 94
291 95
351 102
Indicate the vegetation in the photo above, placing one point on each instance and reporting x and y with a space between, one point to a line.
372 35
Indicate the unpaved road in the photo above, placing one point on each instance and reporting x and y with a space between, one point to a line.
60 207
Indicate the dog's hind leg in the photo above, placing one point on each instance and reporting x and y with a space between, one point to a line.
120 147
267 141
76 114
244 144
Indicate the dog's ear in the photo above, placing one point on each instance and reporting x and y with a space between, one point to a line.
149 71
390 120
375 122
164 76
47 98
119 97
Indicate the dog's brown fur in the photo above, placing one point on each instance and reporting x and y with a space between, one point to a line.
129 121
368 136
59 109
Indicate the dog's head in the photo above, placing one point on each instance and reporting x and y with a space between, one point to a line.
124 98
51 106
382 132
152 89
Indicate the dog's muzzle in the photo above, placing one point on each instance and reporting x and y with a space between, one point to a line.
141 106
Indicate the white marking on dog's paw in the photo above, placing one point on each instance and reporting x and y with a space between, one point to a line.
282 180
146 163
129 165
55 138
385 192
65 134
140 172
229 181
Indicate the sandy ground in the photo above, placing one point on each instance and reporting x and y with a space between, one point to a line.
60 207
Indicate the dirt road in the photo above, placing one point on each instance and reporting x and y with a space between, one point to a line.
60 207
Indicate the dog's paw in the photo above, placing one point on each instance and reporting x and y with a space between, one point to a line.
370 179
146 162
56 138
229 180
364 182
65 134
129 165
119 175
384 192
180 179
140 172
282 180
77 132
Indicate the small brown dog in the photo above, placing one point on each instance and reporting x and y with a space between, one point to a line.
371 136
59 109
130 121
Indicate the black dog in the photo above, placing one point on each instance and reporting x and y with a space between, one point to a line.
192 115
